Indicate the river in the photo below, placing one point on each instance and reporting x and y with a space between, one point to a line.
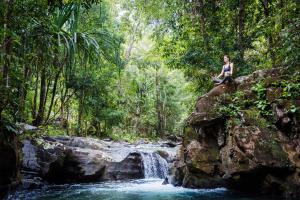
149 188
143 189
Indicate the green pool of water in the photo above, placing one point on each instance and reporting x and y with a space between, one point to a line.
145 189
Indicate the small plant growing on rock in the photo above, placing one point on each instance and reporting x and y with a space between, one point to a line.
261 101
230 110
230 105
225 106
252 117
290 88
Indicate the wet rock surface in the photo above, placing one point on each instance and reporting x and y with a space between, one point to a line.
78 159
248 155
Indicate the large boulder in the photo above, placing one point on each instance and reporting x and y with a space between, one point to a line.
247 151
129 168
251 155
66 159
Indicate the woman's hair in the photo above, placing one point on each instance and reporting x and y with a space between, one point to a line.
227 57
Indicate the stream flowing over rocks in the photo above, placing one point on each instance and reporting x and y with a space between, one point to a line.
77 159
245 153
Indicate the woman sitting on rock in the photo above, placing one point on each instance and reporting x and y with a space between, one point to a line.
227 71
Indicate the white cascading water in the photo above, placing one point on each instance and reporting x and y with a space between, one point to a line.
154 165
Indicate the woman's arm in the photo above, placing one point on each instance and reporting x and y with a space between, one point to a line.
231 69
222 72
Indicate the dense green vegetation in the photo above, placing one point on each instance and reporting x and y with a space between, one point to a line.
130 69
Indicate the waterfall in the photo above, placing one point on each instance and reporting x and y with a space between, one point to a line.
154 165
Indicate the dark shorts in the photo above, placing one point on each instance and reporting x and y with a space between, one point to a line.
220 81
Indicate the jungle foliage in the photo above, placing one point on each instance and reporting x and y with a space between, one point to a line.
131 68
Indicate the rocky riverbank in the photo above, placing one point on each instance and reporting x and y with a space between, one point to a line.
232 141
78 159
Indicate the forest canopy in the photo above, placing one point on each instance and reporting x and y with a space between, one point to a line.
128 69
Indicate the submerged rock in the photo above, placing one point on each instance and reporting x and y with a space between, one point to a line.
163 154
166 181
246 152
31 180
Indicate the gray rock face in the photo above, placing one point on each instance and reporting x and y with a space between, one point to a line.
77 159
22 127
63 160
129 168
30 158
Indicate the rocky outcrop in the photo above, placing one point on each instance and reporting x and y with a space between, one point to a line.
243 149
64 160
77 159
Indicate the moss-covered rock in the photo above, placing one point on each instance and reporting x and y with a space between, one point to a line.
163 154
258 145
189 135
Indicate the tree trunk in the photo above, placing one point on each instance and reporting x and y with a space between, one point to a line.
67 121
7 46
53 94
135 30
164 114
159 128
80 113
7 43
34 107
40 115
23 94
63 102
5 69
